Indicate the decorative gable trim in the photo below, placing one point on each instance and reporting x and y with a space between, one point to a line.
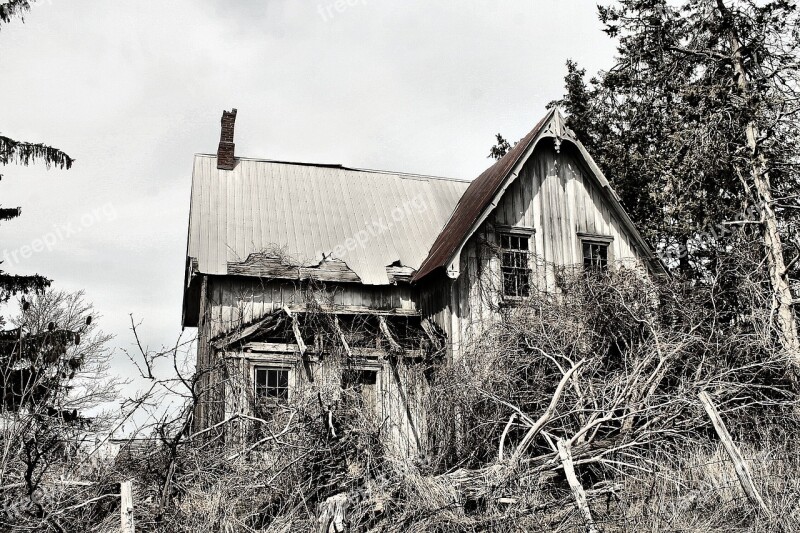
557 128
552 126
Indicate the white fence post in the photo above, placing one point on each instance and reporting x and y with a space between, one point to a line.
126 506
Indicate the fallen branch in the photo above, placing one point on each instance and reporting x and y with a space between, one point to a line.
266 439
565 455
548 414
505 434
742 470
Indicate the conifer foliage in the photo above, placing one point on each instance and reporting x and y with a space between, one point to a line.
695 126
24 153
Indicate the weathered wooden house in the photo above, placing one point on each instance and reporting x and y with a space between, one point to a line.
288 263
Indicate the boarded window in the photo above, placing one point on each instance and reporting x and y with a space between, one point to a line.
515 255
362 386
272 383
595 256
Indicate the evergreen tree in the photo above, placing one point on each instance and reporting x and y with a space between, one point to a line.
696 126
12 8
23 153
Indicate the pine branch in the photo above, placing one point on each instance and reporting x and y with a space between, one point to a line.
11 284
708 54
24 153
7 213
13 8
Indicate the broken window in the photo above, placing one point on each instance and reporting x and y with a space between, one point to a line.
272 383
595 256
515 254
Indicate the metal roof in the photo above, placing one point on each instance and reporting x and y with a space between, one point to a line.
368 219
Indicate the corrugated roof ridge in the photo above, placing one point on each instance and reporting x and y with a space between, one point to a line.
410 175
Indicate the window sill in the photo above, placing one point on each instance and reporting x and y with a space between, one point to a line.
514 301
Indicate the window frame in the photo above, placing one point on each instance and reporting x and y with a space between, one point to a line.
593 239
522 233
267 366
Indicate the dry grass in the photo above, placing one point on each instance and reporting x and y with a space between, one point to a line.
613 365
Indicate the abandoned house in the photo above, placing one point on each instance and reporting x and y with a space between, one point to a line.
308 279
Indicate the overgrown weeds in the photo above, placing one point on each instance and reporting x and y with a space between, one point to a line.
609 366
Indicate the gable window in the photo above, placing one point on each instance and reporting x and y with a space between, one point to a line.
515 267
595 254
272 383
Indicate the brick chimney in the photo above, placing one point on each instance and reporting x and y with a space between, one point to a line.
225 152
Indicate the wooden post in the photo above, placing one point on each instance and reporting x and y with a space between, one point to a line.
429 330
565 454
126 506
296 331
404 399
342 338
388 334
333 514
742 470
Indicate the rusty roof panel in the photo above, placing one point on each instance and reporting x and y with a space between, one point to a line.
471 205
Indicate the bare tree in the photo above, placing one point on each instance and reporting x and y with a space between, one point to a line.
54 374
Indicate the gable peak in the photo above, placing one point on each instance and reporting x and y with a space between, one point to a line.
557 128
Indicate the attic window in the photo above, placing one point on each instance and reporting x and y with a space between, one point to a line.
595 254
515 254
272 383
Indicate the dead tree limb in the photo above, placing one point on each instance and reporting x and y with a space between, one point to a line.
742 470
760 168
501 449
565 454
273 436
548 414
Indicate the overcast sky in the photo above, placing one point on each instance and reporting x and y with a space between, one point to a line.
132 90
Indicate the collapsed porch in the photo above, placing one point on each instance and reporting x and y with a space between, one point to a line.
328 361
